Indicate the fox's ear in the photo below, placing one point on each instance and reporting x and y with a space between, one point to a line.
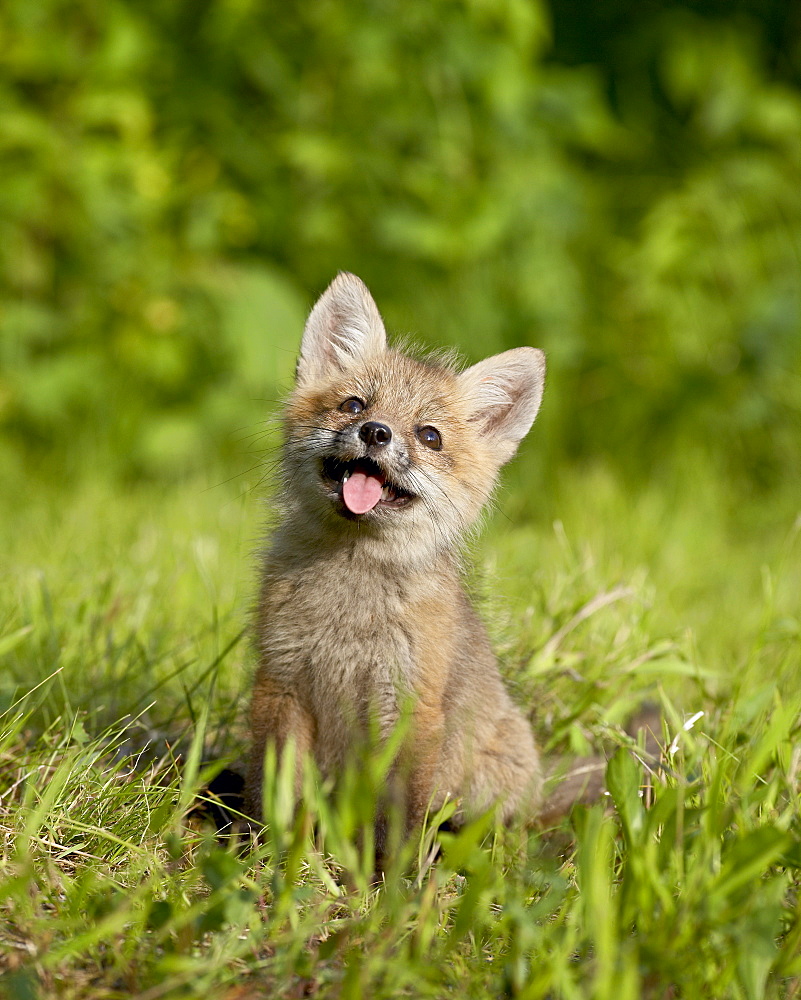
503 395
344 326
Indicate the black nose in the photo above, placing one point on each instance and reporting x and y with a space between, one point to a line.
373 433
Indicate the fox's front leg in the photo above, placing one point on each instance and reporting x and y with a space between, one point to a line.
424 767
276 717
411 783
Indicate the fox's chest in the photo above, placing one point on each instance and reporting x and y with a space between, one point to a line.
342 640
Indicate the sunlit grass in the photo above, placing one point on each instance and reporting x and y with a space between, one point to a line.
124 675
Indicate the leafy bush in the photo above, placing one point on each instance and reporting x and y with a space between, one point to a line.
180 180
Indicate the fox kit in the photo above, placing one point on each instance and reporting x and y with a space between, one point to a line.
387 463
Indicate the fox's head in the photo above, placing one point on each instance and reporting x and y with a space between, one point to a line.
398 452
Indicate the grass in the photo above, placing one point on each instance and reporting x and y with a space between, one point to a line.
123 681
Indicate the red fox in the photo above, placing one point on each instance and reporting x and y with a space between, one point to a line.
388 461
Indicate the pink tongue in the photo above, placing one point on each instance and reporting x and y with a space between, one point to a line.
361 492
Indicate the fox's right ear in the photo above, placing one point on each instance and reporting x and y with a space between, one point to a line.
344 326
503 395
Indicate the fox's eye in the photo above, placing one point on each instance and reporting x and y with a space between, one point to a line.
430 437
352 405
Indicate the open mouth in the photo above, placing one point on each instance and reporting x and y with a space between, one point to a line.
362 485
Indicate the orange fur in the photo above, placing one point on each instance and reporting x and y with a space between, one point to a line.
361 613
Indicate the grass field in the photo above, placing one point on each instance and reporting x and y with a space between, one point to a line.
124 676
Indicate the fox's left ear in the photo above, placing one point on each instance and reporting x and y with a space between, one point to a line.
503 395
344 326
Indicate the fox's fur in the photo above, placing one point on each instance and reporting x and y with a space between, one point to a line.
362 613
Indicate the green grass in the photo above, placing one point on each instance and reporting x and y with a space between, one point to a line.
124 675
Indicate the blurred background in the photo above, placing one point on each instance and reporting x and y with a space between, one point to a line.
618 183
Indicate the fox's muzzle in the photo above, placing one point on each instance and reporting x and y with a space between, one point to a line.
375 434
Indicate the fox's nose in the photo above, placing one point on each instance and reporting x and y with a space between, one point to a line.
374 433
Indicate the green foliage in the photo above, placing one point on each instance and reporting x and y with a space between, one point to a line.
691 890
179 180
109 884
